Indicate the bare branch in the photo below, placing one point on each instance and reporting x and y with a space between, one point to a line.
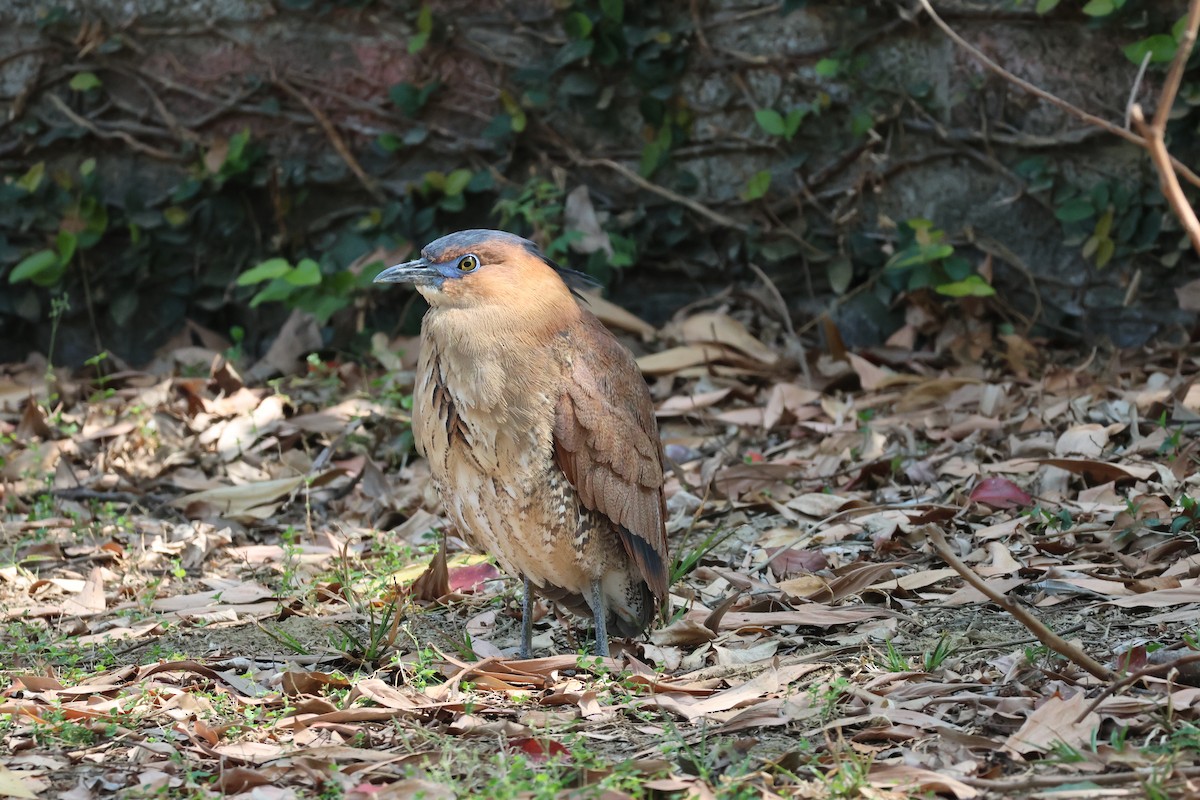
1129 136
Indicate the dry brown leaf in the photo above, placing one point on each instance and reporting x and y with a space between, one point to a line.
1054 722
685 632
90 599
1087 440
13 785
816 615
870 376
714 326
678 358
614 316
251 501
910 779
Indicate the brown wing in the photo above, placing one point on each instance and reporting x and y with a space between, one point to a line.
606 442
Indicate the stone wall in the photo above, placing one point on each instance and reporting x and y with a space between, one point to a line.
903 124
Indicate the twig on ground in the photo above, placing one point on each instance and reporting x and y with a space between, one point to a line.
1008 788
1133 678
1035 626
1054 100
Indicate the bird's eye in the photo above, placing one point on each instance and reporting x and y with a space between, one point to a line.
468 263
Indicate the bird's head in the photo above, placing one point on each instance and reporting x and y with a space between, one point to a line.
484 269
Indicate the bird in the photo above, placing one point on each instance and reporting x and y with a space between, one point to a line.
539 430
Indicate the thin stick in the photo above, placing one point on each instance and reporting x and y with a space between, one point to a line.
1155 132
1175 74
1054 100
1128 680
1046 636
96 130
335 138
1137 87
662 191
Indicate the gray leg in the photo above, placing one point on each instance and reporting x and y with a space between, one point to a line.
526 650
596 601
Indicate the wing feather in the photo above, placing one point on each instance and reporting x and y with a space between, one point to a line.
606 442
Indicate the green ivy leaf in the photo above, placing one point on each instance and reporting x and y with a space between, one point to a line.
1161 48
791 123
919 254
771 121
573 51
1179 27
613 10
839 271
65 243
956 267
277 289
32 178
37 268
1045 6
425 19
175 215
828 67
1104 253
306 273
757 186
417 42
971 286
267 270
577 25
1099 8
457 181
409 98
85 82
1074 211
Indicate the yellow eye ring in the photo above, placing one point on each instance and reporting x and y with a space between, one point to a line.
468 263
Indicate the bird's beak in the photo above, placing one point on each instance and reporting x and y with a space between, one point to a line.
417 272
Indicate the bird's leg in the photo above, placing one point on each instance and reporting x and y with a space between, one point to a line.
526 650
596 601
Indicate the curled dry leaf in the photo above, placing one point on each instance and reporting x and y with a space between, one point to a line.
714 326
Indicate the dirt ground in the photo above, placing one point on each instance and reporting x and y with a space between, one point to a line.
210 589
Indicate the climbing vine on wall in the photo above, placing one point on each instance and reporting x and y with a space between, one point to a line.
273 186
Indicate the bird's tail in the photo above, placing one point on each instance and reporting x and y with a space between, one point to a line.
645 608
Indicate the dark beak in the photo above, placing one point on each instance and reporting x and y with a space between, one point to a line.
417 272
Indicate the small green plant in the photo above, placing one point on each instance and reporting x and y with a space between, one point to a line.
828 695
538 206
895 661
848 776
1063 753
783 125
1171 445
235 353
936 657
306 286
83 223
924 259
422 673
686 559
1043 519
